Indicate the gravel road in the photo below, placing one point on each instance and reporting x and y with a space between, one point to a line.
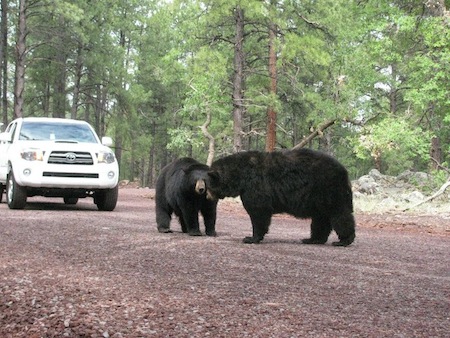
72 271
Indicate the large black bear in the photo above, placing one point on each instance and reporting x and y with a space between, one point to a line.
304 183
181 188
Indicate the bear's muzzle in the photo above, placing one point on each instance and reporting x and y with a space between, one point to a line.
200 187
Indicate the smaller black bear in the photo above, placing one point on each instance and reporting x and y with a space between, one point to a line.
303 183
181 188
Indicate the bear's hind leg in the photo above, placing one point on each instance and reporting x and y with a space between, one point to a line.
320 230
184 228
344 225
163 217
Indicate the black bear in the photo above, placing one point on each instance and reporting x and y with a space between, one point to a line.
304 183
181 188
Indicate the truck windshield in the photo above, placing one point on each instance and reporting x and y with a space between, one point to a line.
67 132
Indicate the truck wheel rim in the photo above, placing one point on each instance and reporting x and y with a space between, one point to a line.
10 189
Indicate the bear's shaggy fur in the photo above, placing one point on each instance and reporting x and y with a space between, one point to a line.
304 183
181 188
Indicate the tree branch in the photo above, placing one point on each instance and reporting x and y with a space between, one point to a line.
315 133
315 25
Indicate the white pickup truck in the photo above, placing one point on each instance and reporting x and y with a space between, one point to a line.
57 158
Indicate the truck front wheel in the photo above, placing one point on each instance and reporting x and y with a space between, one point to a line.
106 199
16 195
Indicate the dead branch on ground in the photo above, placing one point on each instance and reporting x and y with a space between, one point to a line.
432 197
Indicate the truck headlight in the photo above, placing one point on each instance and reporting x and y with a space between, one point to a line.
32 154
106 157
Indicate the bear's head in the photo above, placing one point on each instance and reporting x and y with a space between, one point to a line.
221 184
232 175
214 190
197 177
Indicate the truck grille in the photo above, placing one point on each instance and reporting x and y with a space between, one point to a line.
70 157
72 175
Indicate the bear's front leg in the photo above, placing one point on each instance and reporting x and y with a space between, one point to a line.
209 212
260 225
190 219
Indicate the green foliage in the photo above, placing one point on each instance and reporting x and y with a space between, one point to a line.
151 72
183 140
310 48
395 143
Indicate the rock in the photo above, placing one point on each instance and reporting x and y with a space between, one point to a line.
414 197
366 185
375 174
409 176
387 203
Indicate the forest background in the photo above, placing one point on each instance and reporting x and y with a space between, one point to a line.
366 81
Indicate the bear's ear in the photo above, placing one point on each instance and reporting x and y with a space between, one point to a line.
193 166
185 168
213 175
189 167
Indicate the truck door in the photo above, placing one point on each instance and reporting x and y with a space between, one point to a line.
6 140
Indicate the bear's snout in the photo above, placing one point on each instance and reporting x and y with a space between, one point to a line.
200 187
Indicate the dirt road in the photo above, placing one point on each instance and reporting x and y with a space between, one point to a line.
72 271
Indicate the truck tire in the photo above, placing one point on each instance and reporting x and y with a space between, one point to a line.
16 195
106 199
70 200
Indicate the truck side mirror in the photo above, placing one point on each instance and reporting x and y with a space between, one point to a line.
5 137
107 141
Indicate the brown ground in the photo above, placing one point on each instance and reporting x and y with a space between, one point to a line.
72 271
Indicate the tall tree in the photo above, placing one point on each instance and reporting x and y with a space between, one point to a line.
4 61
238 79
271 136
21 50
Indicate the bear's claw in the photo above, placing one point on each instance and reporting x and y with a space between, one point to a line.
164 230
251 240
342 243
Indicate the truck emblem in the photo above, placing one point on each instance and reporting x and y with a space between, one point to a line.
71 157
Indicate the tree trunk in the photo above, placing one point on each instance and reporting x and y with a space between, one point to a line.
271 113
211 141
59 95
118 142
151 157
238 81
436 153
4 61
46 100
393 91
100 104
19 85
97 109
76 88
89 98
435 8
